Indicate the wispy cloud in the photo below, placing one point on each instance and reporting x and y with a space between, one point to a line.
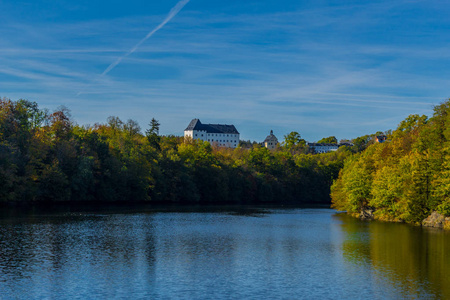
173 12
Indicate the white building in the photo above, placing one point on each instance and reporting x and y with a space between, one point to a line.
323 147
217 134
271 141
380 138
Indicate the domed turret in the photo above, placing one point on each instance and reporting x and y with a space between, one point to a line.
271 141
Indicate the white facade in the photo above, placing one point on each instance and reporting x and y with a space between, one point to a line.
323 148
271 141
216 134
220 139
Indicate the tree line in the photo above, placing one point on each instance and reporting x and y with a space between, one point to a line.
403 179
47 157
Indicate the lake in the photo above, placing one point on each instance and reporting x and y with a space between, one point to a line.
217 253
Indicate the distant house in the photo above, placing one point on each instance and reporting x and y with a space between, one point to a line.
323 147
217 134
380 138
271 141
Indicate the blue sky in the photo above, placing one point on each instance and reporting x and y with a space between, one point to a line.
322 68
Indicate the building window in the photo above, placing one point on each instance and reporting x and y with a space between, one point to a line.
195 134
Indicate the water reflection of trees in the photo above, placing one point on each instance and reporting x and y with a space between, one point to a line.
56 250
415 260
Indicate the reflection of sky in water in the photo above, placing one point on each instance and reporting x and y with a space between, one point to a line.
291 253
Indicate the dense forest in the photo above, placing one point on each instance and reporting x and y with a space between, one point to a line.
404 179
47 157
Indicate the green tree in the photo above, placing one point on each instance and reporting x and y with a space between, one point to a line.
293 141
153 134
132 128
361 143
388 192
329 140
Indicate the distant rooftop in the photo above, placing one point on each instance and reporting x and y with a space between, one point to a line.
271 138
195 124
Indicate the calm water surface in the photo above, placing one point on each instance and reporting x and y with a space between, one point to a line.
218 254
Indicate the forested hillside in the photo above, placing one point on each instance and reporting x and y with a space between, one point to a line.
47 157
403 179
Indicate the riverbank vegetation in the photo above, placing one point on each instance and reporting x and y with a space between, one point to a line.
404 179
47 157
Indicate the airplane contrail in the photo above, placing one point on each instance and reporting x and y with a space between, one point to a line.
173 12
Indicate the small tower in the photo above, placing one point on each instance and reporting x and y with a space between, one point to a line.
271 141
